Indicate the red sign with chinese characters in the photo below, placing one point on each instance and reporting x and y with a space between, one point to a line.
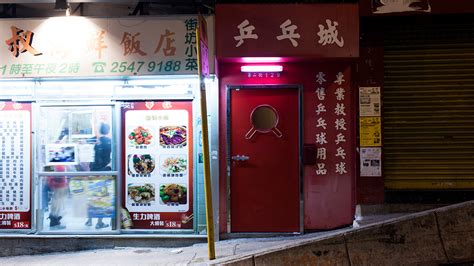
15 165
158 163
203 47
284 30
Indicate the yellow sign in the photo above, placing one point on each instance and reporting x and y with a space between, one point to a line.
370 132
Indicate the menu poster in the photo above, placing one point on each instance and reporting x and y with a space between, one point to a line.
158 164
15 165
370 162
369 101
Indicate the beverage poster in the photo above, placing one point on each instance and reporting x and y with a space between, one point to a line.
158 188
15 165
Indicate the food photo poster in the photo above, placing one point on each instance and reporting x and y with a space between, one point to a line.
158 163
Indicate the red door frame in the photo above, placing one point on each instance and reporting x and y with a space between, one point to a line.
299 89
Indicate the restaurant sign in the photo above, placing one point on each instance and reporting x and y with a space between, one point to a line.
79 46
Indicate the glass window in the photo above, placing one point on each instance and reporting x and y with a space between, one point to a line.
79 138
76 144
78 203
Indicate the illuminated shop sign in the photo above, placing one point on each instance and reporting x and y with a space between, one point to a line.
257 30
78 46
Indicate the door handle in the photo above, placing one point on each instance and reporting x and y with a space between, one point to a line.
240 158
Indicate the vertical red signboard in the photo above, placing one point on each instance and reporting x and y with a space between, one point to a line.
158 164
328 124
15 165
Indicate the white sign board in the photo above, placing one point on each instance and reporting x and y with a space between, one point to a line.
369 101
79 46
15 161
370 162
155 162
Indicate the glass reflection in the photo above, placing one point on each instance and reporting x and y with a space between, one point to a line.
76 137
264 118
72 203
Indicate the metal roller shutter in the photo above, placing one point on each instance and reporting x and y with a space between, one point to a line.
428 103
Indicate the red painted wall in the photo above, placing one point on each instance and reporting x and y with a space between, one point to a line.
370 73
329 200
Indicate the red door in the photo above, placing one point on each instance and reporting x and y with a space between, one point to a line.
264 165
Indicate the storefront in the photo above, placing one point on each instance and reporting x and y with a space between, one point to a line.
418 56
287 116
100 126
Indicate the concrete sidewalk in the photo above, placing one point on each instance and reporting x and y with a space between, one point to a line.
196 254
441 236
437 236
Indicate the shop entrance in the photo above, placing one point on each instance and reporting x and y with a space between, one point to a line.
264 164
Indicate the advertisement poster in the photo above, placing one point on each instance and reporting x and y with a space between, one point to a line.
15 165
158 164
370 161
369 101
98 192
399 6
370 132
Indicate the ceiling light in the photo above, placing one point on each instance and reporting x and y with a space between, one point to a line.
261 68
261 59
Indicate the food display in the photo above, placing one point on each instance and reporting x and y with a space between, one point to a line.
158 164
173 194
142 164
141 193
174 164
173 136
140 136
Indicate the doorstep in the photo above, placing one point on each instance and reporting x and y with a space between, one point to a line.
372 213
21 244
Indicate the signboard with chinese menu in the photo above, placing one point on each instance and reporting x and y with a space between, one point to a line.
158 164
15 165
282 30
79 46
